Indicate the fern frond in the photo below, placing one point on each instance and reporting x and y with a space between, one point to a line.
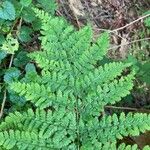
40 121
42 96
55 58
109 146
43 125
108 93
128 147
70 93
114 127
96 51
103 74
23 140
39 94
146 147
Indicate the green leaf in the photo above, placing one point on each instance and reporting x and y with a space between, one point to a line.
28 15
36 24
30 68
2 39
24 35
145 72
21 59
10 45
135 63
146 148
5 26
7 11
31 73
2 55
49 6
147 20
16 99
11 75
25 3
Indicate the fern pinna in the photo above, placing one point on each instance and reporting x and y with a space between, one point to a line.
70 95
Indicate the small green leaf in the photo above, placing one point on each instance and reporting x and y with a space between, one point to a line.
7 11
10 45
30 68
146 147
147 20
2 39
28 15
49 6
36 24
11 75
2 55
31 73
145 72
21 59
16 99
24 35
25 3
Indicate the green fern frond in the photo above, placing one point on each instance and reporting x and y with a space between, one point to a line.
107 93
70 94
23 140
110 146
41 124
42 96
114 127
33 121
103 74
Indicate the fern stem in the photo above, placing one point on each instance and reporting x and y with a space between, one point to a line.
3 104
77 124
5 91
129 43
127 108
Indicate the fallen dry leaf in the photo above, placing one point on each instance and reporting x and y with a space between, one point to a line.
124 47
76 7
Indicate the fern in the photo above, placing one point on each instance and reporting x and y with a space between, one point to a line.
70 95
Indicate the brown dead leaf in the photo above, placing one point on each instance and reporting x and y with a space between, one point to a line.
142 140
124 47
76 7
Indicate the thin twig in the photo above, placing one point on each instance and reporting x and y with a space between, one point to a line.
122 108
128 108
11 60
139 40
3 104
10 64
141 18
118 29
5 91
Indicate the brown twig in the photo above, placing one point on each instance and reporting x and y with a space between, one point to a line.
127 108
3 104
10 64
122 108
141 18
121 28
5 91
139 40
